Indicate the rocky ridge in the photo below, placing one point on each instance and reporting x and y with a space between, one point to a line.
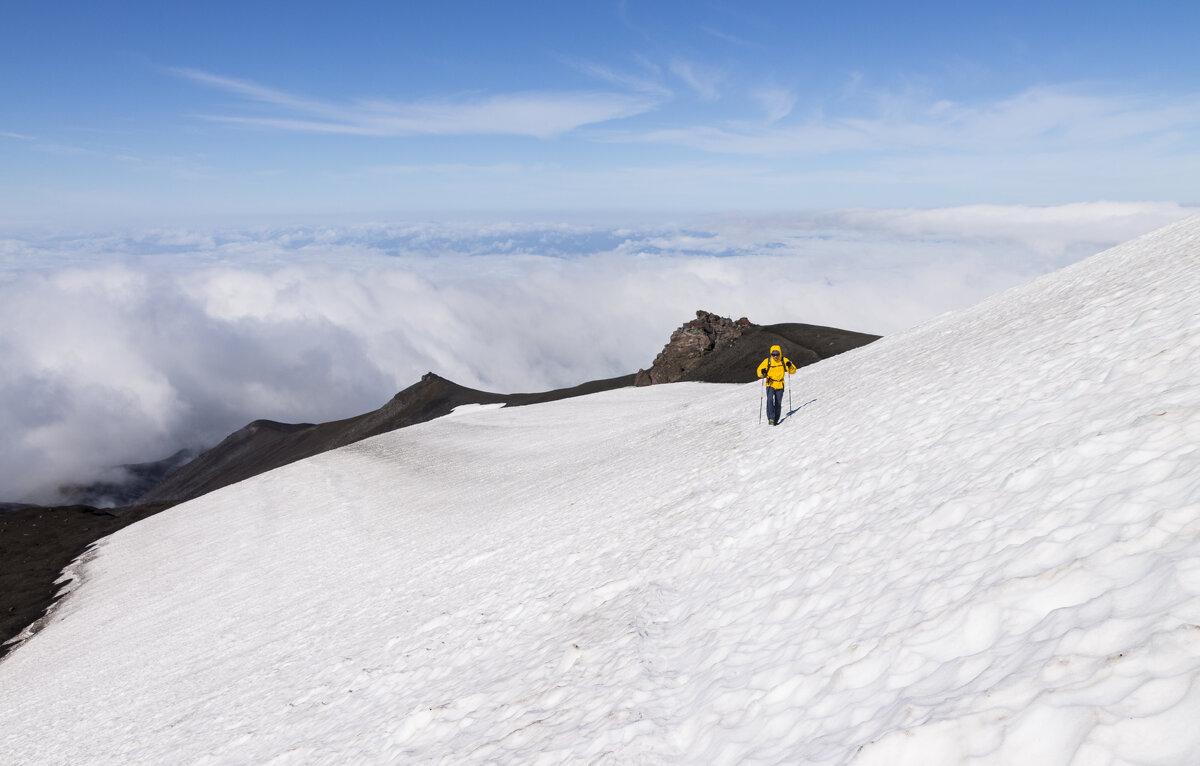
689 345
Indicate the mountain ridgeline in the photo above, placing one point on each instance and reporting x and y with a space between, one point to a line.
709 348
37 543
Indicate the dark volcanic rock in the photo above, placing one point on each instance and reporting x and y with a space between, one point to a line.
264 445
804 344
689 345
36 545
713 349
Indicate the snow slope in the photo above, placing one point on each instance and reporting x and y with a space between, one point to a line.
974 543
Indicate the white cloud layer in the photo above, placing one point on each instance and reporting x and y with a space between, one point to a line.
539 114
125 348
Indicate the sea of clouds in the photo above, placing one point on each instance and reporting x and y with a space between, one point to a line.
125 347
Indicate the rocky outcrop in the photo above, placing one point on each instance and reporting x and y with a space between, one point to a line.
713 349
689 345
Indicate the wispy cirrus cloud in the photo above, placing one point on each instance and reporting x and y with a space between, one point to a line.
724 36
776 102
1044 118
705 81
60 149
537 114
649 81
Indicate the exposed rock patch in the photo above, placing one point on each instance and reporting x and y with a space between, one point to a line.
713 349
689 345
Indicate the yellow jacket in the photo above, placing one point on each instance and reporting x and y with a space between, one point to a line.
773 370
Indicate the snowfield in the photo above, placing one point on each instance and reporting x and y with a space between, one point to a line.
976 542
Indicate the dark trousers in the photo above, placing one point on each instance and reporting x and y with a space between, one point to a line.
774 403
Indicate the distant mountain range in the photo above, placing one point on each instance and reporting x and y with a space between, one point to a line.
37 543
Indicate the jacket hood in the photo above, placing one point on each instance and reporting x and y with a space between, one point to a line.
777 348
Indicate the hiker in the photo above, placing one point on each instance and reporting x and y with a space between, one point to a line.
772 370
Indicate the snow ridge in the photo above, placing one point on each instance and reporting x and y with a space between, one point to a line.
978 542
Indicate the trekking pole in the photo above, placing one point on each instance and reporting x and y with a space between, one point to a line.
761 394
790 410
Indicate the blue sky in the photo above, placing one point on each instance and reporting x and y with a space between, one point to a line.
171 111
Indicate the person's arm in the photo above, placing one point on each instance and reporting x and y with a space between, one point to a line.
762 368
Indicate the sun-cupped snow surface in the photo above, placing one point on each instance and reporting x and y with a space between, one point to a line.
977 542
